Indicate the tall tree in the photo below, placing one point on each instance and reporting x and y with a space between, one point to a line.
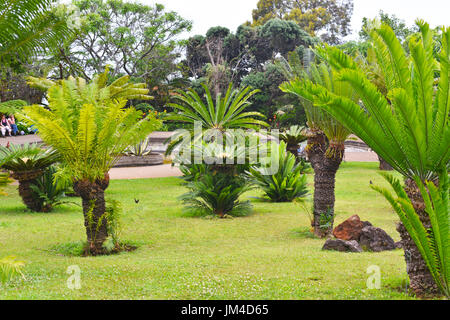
128 36
28 28
328 18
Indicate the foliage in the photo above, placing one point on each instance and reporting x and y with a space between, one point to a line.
138 40
48 191
139 149
293 136
27 157
89 125
217 193
434 243
330 18
409 128
221 57
29 27
12 106
401 30
10 267
193 172
4 181
227 112
287 184
113 217
322 75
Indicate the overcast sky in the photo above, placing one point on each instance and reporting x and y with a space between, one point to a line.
232 13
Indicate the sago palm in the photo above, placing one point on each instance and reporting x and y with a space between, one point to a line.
27 163
293 137
226 112
287 183
409 128
326 142
90 126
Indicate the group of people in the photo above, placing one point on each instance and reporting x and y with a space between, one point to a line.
8 126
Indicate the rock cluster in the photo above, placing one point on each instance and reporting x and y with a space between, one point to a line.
354 235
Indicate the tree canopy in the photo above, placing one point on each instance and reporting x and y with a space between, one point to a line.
328 18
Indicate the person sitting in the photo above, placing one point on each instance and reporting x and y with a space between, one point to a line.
13 125
4 126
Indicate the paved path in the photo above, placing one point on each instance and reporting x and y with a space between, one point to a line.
167 170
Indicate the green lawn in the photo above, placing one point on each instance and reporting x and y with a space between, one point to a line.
267 255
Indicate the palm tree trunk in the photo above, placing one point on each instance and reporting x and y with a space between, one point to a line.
324 197
26 179
384 166
324 181
94 206
421 281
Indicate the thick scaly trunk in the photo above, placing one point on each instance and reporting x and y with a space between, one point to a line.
421 281
324 198
93 202
325 168
26 179
384 166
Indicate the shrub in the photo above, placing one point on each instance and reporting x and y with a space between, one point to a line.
287 184
47 192
217 193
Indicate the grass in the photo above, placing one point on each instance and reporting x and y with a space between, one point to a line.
268 255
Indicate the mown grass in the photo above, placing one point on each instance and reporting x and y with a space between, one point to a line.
267 255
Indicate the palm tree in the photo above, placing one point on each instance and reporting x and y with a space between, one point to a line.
226 113
326 141
28 27
408 128
90 127
27 163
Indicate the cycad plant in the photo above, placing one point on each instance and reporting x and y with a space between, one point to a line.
326 141
91 127
287 183
293 137
227 112
408 128
433 243
27 163
47 191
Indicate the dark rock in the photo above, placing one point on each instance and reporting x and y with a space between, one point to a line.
342 245
398 245
366 224
376 239
350 229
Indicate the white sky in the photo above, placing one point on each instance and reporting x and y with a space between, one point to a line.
232 13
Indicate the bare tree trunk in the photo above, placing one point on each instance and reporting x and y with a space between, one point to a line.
94 206
421 281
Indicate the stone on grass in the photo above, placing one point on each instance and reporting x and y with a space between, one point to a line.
350 229
376 240
342 245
